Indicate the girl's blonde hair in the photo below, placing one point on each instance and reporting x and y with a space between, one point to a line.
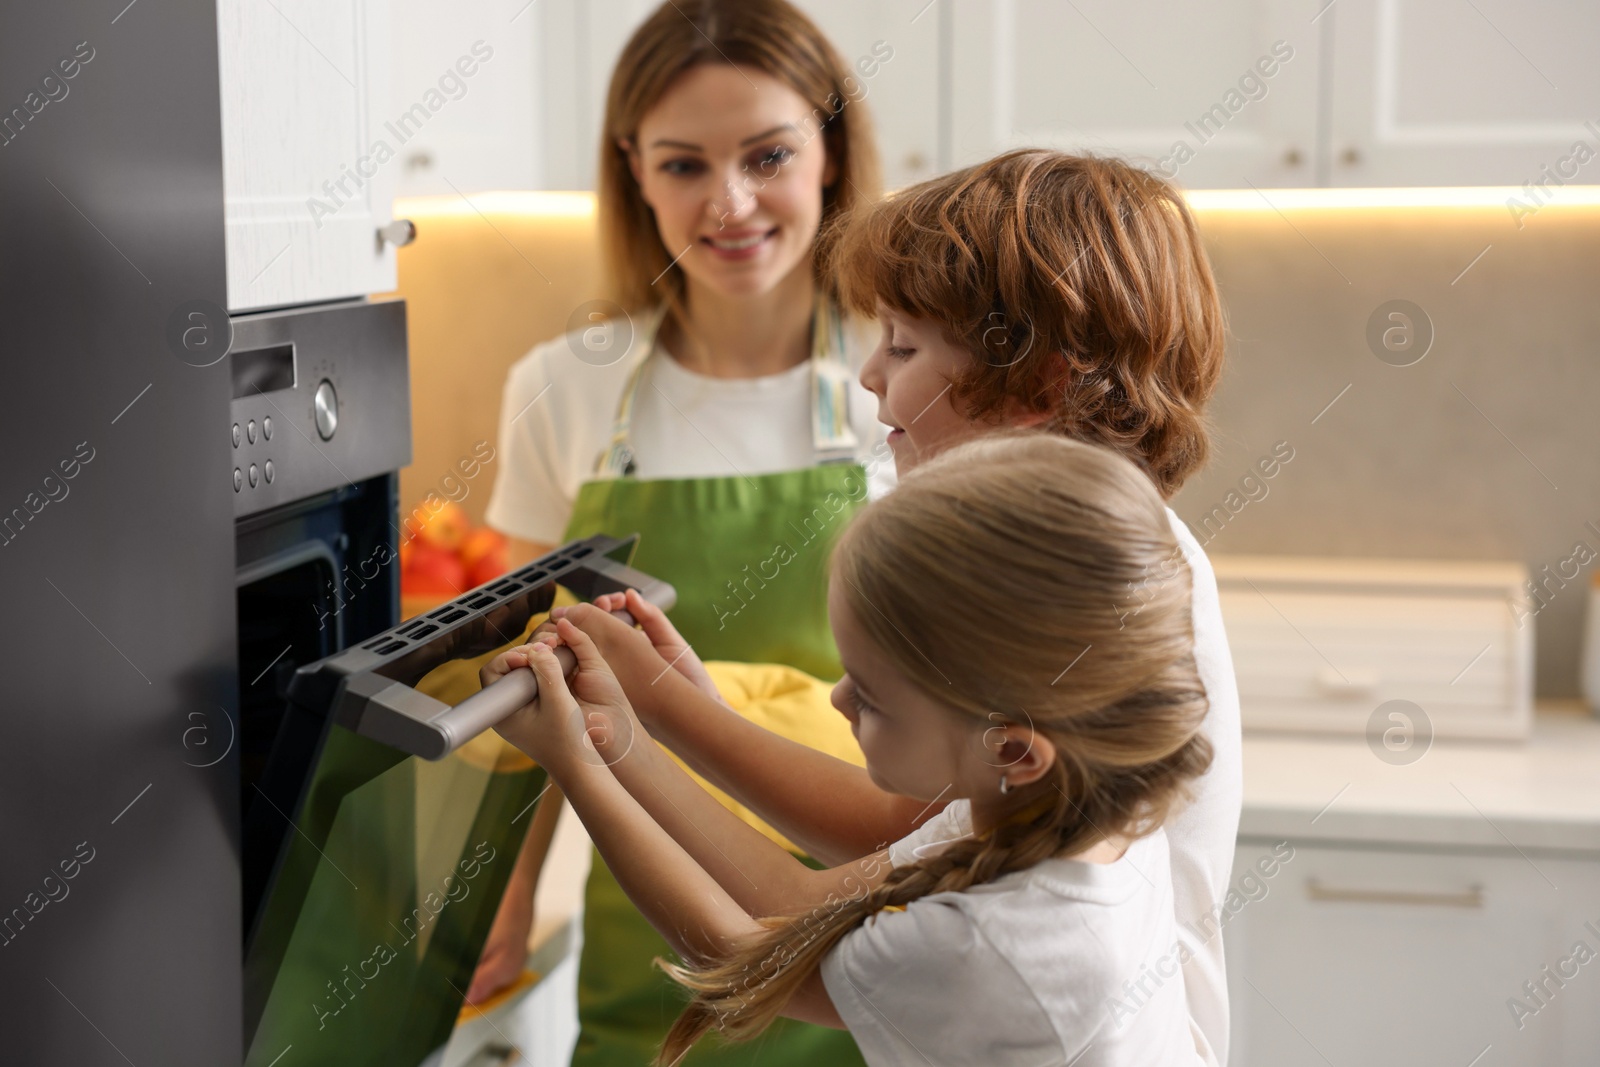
990 570
771 36
1078 284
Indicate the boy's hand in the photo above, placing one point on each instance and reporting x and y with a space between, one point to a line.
588 719
669 645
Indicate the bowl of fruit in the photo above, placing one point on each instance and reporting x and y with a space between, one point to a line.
442 556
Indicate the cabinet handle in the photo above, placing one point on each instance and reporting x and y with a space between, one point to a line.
399 233
1352 683
1293 158
1470 898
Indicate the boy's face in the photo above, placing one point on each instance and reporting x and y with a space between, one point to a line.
911 373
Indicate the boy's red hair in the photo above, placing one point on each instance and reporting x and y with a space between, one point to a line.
1078 283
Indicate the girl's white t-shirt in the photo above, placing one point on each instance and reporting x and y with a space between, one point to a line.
1200 836
1024 971
558 410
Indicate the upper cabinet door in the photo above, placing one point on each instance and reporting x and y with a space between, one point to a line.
308 156
892 50
1215 95
1440 92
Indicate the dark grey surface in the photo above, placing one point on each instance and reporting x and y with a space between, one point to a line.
119 599
1488 448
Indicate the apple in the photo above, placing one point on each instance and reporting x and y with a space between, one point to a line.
484 543
434 572
444 528
486 569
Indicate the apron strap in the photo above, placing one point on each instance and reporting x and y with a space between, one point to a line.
833 439
617 459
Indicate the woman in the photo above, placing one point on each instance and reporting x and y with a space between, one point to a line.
720 418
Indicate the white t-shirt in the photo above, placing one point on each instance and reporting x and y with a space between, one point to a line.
1200 837
1203 834
1025 970
557 414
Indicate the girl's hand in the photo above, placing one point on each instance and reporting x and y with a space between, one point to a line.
668 643
588 719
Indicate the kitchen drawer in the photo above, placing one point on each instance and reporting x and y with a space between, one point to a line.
1321 644
1369 957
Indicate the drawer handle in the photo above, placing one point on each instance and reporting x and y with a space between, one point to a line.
1354 683
1471 898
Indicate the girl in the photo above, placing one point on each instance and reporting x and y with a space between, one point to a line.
952 601
733 132
1036 289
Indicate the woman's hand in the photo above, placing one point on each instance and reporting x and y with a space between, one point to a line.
664 637
505 951
589 719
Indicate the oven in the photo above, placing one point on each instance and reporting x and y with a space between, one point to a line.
379 823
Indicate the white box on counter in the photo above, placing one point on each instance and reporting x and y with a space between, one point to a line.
1319 644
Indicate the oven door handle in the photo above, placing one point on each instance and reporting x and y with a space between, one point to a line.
494 703
396 714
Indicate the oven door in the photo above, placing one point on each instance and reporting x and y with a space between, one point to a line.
383 897
389 867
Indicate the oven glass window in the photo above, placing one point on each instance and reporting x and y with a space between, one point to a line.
385 894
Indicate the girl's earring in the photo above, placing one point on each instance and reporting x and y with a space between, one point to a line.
1005 787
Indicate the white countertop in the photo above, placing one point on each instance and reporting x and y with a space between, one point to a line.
1542 793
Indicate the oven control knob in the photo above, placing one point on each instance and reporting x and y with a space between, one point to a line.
327 408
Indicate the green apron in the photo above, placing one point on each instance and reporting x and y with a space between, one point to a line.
748 557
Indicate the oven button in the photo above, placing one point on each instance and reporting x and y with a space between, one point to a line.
266 430
238 479
326 403
267 470
236 435
250 431
253 476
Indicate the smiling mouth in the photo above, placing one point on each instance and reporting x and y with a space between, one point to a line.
738 244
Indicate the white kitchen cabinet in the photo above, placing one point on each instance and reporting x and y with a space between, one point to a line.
1422 904
906 93
579 41
1366 956
1223 95
1377 93
489 135
308 152
1219 95
1440 92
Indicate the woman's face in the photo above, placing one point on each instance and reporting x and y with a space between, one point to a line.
733 165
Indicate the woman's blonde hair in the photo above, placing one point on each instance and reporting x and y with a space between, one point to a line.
771 36
1078 284
990 570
